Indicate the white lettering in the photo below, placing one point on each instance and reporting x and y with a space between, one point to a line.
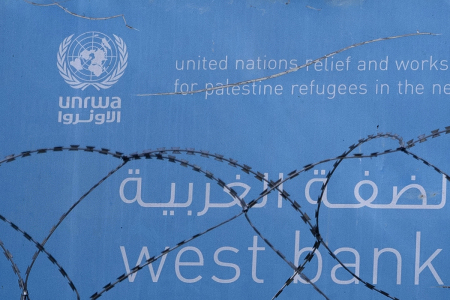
224 264
299 252
255 249
178 263
355 265
418 269
376 255
144 252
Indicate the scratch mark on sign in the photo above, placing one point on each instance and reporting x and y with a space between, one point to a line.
310 7
80 16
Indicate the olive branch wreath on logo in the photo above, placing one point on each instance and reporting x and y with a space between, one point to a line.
105 84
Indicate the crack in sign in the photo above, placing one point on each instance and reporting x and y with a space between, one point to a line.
310 7
293 69
80 16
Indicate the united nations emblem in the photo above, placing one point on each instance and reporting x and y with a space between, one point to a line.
92 58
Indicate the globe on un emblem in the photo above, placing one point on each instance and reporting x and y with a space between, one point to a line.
92 56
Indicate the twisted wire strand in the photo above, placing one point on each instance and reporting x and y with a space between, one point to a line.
290 70
58 4
163 154
16 270
64 216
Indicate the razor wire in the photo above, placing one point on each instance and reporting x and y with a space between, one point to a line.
170 155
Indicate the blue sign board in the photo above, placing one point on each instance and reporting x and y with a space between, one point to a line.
258 149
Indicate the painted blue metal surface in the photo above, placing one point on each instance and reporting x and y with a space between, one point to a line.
102 174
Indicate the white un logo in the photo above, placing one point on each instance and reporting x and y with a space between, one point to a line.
92 58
